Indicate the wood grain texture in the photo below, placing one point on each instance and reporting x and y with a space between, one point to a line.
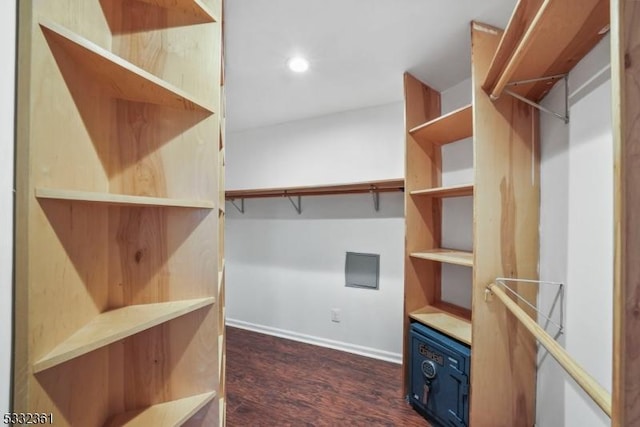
120 199
506 206
281 382
197 8
447 323
445 129
442 192
115 325
449 256
167 414
78 260
545 40
350 188
422 214
123 79
625 78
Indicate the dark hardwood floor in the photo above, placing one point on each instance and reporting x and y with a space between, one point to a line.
276 382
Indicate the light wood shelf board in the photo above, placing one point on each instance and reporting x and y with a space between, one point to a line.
449 324
125 80
449 256
445 129
166 414
353 188
545 38
114 325
120 199
452 191
194 7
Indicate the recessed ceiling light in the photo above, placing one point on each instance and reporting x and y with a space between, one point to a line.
298 64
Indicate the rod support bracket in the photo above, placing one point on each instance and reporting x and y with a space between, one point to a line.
298 206
376 197
564 117
241 207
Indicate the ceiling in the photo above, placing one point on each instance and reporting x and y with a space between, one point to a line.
358 50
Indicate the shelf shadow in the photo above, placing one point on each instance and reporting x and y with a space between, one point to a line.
136 251
132 373
133 16
139 128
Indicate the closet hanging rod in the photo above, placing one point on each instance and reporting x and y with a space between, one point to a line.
599 395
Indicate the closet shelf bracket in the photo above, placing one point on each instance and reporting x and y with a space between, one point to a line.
564 117
297 207
241 207
376 197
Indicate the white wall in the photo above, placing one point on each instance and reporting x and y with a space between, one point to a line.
285 271
457 213
576 239
7 74
359 145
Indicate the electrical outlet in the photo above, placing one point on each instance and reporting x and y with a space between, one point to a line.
335 315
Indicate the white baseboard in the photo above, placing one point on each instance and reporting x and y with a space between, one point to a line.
387 356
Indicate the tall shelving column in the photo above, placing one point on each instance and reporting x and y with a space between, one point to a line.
117 271
427 132
506 210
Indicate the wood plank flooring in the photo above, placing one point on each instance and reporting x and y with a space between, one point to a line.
276 382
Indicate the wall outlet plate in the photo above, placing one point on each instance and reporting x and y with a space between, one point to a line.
335 315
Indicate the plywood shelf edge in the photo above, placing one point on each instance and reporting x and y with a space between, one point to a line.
445 129
450 191
126 80
194 7
449 256
120 199
448 323
352 188
114 325
166 414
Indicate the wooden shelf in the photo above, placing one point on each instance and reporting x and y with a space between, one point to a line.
445 129
355 188
115 325
120 199
446 322
166 414
452 191
545 38
123 79
194 7
448 256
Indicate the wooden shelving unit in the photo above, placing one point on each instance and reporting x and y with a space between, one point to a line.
115 325
444 321
443 192
381 186
119 233
445 129
168 414
504 232
119 199
543 39
449 256
123 79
